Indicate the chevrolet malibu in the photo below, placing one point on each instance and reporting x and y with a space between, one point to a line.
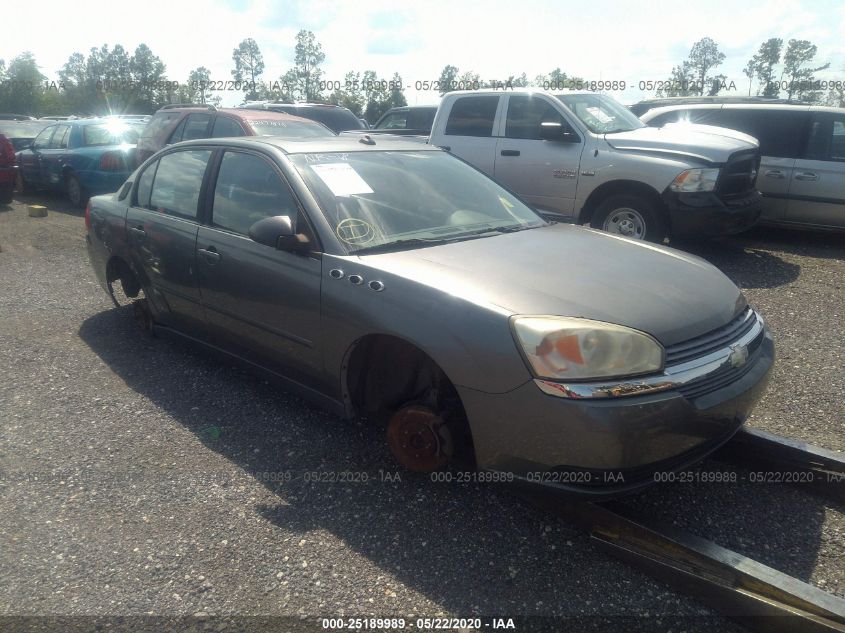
391 281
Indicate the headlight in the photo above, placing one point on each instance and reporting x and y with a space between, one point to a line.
695 180
564 348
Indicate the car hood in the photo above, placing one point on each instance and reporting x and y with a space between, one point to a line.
568 270
691 141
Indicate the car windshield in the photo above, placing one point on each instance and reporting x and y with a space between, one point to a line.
289 129
600 113
112 133
378 200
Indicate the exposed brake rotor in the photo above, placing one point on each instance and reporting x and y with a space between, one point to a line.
419 438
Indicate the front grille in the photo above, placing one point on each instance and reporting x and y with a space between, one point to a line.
713 341
739 175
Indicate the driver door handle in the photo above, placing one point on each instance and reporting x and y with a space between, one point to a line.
210 254
806 175
509 152
774 173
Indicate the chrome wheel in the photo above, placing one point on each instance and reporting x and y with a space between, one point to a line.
626 222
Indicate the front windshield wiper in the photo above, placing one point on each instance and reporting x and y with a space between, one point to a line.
400 244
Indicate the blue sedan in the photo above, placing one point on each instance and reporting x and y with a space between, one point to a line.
83 158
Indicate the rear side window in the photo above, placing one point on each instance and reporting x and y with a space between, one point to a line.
827 137
472 116
249 189
196 127
525 114
778 131
176 187
225 126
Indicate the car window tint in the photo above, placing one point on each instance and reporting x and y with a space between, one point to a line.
59 140
145 186
225 126
335 118
42 141
159 123
196 127
826 138
394 121
525 114
420 119
472 116
177 133
778 131
176 187
249 189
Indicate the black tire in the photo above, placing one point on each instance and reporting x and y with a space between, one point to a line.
22 185
630 215
75 191
6 193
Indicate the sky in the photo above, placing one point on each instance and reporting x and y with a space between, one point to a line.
609 40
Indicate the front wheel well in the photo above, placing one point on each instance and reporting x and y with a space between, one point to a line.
616 187
384 373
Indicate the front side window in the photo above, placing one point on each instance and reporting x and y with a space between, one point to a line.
249 189
60 138
600 113
390 198
177 183
525 114
472 116
42 141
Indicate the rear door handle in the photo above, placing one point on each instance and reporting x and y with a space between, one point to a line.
138 232
509 152
210 254
774 173
806 175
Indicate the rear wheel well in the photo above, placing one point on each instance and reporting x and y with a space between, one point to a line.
384 373
629 187
118 269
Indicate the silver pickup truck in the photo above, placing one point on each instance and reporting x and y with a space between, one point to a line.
583 157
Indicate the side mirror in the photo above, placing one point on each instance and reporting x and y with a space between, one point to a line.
277 232
554 131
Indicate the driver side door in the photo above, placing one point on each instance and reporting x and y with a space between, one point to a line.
261 303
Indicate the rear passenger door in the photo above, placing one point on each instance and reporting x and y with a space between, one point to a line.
817 191
545 173
469 130
162 224
261 303
54 157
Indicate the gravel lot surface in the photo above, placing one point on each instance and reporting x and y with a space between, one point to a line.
140 475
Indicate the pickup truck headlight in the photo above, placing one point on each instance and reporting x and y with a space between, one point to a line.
565 348
693 180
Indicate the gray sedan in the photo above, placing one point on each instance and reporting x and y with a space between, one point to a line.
391 281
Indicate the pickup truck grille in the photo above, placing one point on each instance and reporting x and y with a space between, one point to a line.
739 175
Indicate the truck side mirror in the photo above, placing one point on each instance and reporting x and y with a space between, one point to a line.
556 131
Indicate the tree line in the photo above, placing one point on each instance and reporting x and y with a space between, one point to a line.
116 80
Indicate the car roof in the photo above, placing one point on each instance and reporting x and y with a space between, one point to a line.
654 112
321 145
520 91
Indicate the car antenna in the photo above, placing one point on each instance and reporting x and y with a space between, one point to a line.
367 140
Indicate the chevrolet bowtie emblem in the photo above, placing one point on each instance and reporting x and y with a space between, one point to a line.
738 356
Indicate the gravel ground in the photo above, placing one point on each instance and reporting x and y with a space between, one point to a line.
141 476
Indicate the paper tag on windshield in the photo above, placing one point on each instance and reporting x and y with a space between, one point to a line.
342 179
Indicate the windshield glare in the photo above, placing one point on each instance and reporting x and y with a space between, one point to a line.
378 198
600 113
290 129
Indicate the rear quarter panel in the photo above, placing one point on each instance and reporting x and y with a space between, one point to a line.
107 236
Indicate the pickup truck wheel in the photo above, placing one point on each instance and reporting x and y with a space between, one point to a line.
630 216
75 192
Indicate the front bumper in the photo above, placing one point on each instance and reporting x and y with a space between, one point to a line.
705 214
600 447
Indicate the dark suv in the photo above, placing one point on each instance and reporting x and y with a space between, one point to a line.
174 123
338 118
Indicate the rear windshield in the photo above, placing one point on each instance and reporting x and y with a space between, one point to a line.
289 129
111 134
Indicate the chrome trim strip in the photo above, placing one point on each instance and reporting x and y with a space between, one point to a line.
672 377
